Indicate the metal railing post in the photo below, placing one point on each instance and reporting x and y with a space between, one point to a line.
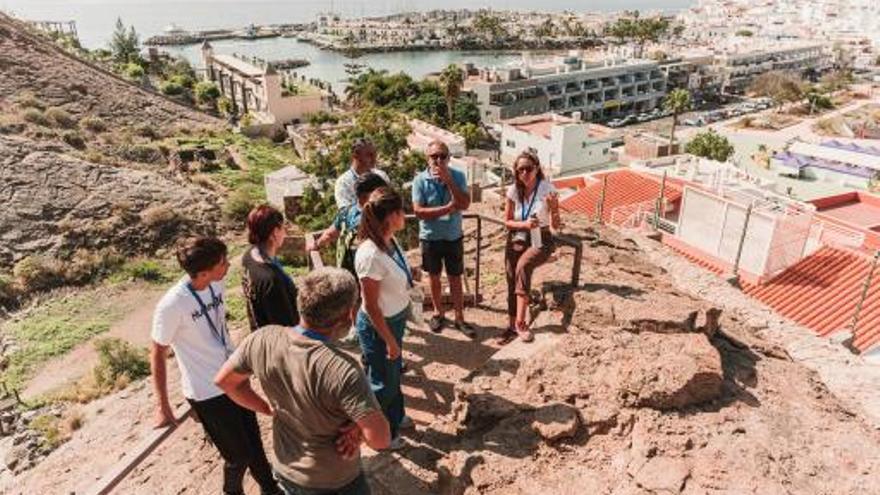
600 206
660 201
739 249
479 252
855 320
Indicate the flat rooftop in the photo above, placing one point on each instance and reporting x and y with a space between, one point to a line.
239 65
540 125
864 215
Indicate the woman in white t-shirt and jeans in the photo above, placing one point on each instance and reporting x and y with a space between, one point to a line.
532 208
386 280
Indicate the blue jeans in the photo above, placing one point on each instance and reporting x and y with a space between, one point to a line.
357 487
384 375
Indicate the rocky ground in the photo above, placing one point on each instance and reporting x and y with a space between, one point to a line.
635 385
79 165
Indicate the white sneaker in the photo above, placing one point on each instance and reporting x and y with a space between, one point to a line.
407 423
397 443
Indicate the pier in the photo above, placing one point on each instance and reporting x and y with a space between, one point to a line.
175 36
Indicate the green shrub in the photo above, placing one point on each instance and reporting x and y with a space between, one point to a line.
183 80
239 204
147 270
158 215
93 124
86 265
118 361
74 139
28 100
48 426
224 105
60 118
323 117
171 88
37 272
35 116
146 131
141 153
8 290
206 92
133 71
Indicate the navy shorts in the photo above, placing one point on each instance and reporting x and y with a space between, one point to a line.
439 254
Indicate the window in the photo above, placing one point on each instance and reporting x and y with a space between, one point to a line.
605 151
510 144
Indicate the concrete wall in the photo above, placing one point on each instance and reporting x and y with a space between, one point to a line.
714 225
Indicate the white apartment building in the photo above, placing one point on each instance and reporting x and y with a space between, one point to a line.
737 68
564 145
569 85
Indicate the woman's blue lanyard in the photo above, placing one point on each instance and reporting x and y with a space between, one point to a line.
219 334
311 334
277 264
400 261
523 212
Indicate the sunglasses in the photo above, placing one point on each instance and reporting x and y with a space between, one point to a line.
525 170
439 156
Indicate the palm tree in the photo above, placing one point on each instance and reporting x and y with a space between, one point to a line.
451 80
677 101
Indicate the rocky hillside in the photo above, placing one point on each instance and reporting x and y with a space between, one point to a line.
650 391
31 65
83 160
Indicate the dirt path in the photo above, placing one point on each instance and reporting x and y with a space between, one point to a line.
137 304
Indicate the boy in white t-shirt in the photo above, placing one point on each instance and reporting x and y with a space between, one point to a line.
191 319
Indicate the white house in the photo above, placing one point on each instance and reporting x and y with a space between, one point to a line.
564 145
423 134
259 90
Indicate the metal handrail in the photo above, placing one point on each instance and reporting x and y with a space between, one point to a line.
315 260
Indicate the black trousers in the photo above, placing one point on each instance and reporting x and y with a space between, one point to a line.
236 434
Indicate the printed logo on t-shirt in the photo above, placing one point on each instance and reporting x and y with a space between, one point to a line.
210 306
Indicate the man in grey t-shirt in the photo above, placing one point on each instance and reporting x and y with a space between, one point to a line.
318 396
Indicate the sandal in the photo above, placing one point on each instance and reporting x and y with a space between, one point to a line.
465 328
506 337
524 333
435 324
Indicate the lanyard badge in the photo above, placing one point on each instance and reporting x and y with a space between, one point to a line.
401 263
220 333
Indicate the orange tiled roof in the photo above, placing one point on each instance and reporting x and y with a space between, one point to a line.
821 291
625 187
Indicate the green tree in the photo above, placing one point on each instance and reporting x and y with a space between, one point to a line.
125 44
472 134
637 29
710 145
677 101
817 100
206 93
451 80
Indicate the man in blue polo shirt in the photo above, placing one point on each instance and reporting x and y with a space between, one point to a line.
439 195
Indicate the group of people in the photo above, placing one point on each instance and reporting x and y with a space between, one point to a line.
325 404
